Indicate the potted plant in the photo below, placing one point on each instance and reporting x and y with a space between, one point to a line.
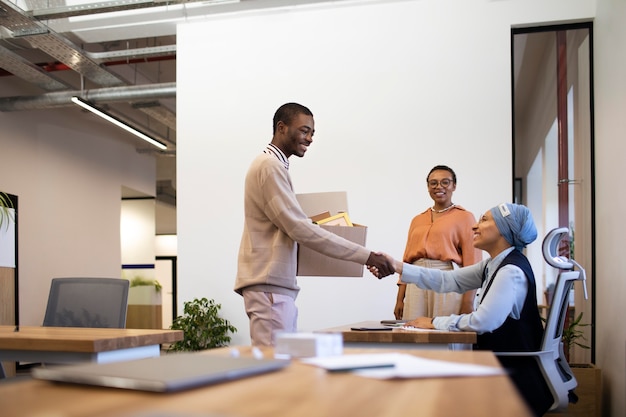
572 334
202 326
145 282
6 212
144 291
144 304
7 231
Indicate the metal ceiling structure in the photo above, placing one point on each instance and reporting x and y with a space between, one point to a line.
120 55
91 70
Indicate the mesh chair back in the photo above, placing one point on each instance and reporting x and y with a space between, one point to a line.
558 374
559 309
87 302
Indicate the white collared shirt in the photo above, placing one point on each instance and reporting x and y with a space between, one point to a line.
274 150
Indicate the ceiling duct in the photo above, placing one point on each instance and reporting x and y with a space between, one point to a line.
40 36
101 95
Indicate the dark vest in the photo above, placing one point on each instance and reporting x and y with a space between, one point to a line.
521 335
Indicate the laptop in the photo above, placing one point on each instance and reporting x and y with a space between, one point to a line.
168 373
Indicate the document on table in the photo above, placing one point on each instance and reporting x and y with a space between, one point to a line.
400 365
419 329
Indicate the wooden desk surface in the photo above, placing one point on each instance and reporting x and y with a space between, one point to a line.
75 339
297 391
397 335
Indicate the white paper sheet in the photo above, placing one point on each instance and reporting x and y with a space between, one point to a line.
404 366
419 329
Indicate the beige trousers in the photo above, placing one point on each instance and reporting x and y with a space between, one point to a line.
269 313
427 303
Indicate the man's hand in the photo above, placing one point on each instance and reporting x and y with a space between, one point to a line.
382 264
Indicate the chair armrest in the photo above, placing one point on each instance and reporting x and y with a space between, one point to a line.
537 353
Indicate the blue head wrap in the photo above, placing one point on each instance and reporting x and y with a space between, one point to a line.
515 224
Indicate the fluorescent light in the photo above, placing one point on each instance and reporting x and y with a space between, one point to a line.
88 106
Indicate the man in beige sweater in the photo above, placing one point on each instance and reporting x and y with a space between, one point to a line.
275 224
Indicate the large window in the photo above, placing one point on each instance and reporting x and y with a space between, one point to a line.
553 148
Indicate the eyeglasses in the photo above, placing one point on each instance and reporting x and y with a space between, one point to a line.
445 183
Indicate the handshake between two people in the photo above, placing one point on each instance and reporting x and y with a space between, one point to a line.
381 265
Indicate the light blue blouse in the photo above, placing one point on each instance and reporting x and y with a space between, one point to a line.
505 297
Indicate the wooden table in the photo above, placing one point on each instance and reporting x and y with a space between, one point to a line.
74 344
397 338
299 390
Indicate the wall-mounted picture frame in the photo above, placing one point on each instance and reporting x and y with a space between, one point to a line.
341 219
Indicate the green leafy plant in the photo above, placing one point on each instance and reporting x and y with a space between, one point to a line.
202 326
144 282
5 209
572 333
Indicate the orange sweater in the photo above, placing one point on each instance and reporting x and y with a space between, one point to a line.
448 238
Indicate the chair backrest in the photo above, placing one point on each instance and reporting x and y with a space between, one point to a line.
87 302
552 339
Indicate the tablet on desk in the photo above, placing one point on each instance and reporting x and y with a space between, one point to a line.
168 373
370 329
393 323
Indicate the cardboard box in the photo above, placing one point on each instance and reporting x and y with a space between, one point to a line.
312 263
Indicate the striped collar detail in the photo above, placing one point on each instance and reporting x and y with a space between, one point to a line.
273 150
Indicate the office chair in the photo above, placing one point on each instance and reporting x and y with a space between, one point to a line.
551 358
87 302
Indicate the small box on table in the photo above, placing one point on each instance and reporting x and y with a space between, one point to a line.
308 345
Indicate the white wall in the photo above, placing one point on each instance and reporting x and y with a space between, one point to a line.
166 245
137 231
427 80
395 87
68 174
610 158
137 237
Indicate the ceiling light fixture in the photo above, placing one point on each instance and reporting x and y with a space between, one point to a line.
88 106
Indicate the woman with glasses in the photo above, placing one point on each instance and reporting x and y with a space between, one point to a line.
440 237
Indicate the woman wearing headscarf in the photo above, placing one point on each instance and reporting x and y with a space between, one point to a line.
506 316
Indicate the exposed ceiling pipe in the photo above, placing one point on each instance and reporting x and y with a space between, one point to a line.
101 95
59 66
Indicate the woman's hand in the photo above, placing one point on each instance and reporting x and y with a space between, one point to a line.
421 323
398 310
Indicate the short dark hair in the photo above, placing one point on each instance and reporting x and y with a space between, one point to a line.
287 112
442 168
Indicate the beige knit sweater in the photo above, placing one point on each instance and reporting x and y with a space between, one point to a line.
274 225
